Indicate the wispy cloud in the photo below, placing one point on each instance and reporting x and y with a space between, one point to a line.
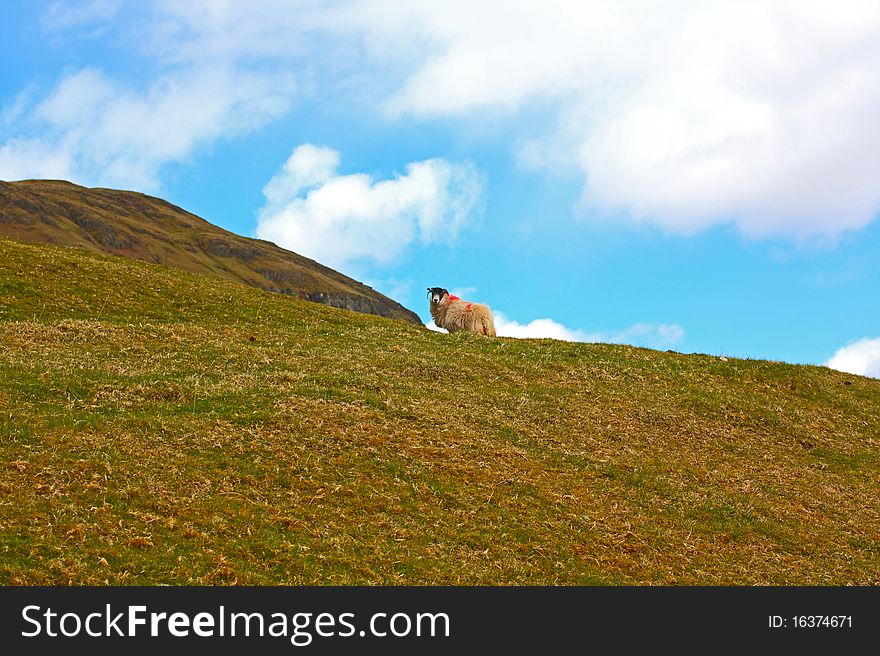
93 128
85 16
90 129
337 219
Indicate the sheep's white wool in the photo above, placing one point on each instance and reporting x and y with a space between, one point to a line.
453 314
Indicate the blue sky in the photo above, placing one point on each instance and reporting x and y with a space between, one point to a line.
703 178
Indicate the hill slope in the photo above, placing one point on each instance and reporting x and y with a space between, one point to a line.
163 427
134 225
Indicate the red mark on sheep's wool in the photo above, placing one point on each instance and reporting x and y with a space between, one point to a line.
454 298
468 308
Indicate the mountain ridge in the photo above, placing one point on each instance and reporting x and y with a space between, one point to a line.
139 226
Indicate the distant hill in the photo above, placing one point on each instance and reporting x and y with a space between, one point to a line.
142 227
158 426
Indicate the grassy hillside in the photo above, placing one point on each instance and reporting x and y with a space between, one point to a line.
162 427
138 226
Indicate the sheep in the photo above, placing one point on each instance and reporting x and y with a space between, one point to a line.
454 314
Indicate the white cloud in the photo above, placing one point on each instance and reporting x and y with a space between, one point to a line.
642 334
683 115
92 130
861 358
539 328
337 219
308 166
21 159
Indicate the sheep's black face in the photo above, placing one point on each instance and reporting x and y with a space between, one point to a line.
436 294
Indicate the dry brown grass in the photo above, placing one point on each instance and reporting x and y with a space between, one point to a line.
204 432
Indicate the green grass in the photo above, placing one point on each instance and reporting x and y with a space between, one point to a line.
158 426
134 225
